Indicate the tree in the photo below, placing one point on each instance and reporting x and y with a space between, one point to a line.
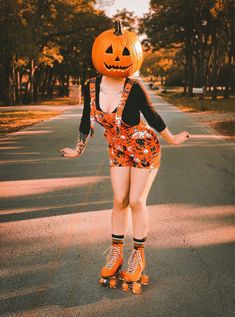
158 63
44 42
202 30
128 19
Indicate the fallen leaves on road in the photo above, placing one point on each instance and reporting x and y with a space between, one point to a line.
15 120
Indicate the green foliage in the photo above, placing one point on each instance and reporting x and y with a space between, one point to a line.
43 43
127 18
201 31
175 78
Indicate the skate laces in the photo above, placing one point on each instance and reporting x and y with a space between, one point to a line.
134 260
113 255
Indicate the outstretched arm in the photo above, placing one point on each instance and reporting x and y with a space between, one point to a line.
156 121
84 130
174 139
80 147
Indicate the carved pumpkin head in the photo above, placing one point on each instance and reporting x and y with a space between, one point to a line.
117 53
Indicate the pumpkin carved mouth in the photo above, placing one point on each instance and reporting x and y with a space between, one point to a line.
113 67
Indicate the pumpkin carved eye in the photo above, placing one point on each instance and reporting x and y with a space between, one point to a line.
126 52
109 50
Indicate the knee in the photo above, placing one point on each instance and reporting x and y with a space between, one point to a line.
136 203
121 202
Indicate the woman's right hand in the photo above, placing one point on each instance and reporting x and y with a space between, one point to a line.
70 153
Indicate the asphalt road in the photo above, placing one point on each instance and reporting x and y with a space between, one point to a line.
55 225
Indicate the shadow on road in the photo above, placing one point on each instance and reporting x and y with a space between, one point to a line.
76 290
42 184
55 216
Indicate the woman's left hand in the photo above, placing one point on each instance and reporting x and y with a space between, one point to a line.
180 138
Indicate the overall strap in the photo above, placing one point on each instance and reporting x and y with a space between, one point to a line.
92 83
123 100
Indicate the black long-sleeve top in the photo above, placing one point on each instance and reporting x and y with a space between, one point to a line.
137 101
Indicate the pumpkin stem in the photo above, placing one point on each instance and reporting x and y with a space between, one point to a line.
118 28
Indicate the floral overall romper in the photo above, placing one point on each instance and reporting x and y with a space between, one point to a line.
136 146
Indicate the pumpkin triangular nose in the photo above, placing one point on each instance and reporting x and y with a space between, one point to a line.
117 59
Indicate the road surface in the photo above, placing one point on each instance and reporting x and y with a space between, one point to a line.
55 224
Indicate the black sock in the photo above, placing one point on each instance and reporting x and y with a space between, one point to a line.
139 243
117 239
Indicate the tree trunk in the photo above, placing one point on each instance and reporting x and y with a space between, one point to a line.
44 83
214 63
198 70
50 83
17 85
189 62
7 80
36 82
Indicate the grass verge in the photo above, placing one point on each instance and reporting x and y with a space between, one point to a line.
58 101
219 114
12 121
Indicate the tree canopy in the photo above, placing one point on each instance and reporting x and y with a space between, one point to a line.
43 43
203 34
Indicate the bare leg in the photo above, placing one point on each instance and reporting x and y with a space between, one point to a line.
120 178
141 181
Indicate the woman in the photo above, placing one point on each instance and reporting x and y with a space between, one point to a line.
115 101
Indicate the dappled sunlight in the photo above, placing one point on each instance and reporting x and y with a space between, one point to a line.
160 102
29 187
207 136
34 160
165 105
73 115
24 153
11 147
6 140
56 214
48 208
33 132
18 154
2 162
171 226
180 225
204 140
163 111
52 254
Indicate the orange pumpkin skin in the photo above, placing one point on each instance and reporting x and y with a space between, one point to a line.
117 56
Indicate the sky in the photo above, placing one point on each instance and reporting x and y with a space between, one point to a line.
138 6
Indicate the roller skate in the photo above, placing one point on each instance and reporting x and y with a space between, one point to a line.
110 273
134 277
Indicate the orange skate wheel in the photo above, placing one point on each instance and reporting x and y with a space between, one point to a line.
136 288
125 287
122 274
113 283
103 281
144 280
